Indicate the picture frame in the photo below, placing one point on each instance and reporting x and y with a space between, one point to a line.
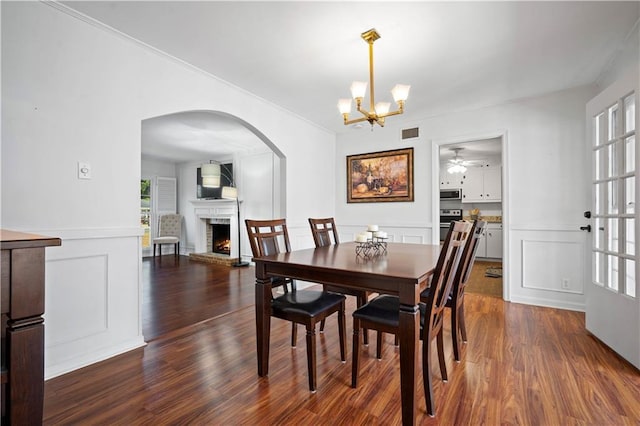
383 176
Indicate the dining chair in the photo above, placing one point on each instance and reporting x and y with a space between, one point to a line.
307 307
455 301
325 233
169 232
383 312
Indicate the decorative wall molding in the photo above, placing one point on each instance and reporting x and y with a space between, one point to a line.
85 233
93 297
546 264
543 270
90 300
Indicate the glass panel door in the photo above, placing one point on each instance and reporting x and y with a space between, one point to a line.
611 303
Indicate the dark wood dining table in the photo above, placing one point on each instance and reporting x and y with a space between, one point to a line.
404 270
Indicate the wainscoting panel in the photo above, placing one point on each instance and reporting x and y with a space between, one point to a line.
81 291
93 297
551 265
414 234
547 267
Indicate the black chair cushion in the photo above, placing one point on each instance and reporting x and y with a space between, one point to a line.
427 291
385 310
306 302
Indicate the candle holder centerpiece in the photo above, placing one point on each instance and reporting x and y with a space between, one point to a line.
371 243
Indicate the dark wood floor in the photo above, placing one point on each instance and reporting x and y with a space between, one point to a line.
523 365
178 292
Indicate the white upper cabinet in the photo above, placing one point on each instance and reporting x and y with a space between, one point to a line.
450 180
482 184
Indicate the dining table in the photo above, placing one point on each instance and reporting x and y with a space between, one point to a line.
402 269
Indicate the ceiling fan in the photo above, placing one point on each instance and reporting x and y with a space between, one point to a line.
457 165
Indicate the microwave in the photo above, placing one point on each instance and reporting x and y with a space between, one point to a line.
451 194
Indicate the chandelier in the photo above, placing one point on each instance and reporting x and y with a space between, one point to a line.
377 112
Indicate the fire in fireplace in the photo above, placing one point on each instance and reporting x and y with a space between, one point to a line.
221 238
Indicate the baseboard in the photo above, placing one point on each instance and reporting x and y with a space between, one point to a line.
548 303
91 358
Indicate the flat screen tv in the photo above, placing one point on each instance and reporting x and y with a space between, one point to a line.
226 177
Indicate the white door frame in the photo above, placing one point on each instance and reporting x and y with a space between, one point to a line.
436 144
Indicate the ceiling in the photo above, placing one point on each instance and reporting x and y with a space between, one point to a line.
196 136
456 56
473 151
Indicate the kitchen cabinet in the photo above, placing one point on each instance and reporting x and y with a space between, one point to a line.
450 180
482 185
491 245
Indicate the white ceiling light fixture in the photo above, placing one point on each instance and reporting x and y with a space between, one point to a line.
456 164
377 112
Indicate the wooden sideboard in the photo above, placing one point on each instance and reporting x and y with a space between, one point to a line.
22 302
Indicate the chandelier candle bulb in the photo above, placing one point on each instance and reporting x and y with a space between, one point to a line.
344 106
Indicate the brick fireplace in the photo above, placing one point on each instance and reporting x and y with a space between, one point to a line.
216 220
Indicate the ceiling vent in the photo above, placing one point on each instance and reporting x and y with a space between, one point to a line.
409 133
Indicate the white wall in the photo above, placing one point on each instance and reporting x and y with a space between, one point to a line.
73 91
625 58
547 184
153 168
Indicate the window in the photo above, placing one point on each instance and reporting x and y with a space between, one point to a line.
145 211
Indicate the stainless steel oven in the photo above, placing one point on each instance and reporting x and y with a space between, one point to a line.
446 217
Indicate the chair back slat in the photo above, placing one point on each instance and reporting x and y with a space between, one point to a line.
468 258
444 274
323 230
265 237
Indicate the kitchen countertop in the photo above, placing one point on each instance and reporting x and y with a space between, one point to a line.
488 219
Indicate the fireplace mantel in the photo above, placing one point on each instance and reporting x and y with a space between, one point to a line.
215 209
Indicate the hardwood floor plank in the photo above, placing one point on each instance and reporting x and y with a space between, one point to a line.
522 365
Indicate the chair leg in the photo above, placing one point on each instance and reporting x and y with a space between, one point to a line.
443 365
176 249
396 341
341 332
463 326
361 300
311 357
322 326
426 378
154 250
355 360
379 345
455 340
294 334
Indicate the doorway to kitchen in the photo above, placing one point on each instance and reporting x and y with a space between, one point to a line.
470 183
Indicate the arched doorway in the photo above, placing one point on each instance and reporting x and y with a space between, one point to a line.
176 144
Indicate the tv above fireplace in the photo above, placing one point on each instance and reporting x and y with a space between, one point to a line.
226 179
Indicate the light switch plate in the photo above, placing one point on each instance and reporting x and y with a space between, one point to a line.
84 170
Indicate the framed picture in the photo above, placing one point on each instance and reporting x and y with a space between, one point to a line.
380 176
